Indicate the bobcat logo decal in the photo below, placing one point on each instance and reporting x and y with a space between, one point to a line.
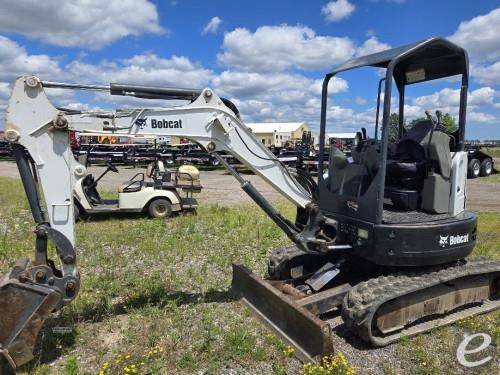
141 123
443 240
451 240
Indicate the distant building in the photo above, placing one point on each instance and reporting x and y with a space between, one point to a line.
277 134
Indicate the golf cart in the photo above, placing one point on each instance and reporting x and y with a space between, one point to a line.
158 192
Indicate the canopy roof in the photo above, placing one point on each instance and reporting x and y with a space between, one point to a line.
416 62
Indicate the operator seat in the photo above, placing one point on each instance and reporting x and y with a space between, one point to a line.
419 151
152 171
406 166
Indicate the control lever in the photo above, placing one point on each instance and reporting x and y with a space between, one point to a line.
439 116
431 119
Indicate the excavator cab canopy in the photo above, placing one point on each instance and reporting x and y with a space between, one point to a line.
355 186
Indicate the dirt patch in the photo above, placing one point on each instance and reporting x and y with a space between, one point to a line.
221 188
218 186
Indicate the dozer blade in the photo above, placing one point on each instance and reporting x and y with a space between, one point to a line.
24 307
292 321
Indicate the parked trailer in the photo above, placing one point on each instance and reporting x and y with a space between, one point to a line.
480 163
5 149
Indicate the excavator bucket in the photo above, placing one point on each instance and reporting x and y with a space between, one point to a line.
24 307
292 316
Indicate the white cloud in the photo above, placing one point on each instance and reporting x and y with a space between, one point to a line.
287 86
15 61
480 36
212 26
359 100
370 33
337 10
84 23
4 90
148 69
4 96
371 45
275 96
489 75
276 48
481 117
448 98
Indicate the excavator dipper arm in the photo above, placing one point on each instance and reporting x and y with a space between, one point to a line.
39 135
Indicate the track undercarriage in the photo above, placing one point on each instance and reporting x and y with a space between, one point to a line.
382 308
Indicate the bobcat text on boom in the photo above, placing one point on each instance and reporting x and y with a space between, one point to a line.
166 124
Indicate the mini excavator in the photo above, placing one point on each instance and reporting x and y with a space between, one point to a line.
382 236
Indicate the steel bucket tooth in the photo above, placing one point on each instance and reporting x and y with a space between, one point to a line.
24 307
296 325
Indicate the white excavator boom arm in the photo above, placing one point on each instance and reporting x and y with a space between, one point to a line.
43 130
39 134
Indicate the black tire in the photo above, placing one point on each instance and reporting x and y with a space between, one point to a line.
160 208
486 167
474 168
76 212
214 162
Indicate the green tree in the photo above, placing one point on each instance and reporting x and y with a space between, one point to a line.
450 123
393 127
418 119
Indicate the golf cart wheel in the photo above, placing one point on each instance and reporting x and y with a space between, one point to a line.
160 208
486 167
474 168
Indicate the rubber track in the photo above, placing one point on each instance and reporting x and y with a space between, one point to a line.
362 302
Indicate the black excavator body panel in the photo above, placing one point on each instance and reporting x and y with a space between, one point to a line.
410 244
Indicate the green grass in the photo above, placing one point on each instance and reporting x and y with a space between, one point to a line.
494 152
155 295
493 178
148 283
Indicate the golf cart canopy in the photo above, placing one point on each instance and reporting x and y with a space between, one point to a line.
426 60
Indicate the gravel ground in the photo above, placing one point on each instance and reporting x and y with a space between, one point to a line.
222 188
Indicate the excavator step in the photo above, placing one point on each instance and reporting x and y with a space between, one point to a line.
289 313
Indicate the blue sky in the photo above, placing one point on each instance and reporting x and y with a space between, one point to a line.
268 56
